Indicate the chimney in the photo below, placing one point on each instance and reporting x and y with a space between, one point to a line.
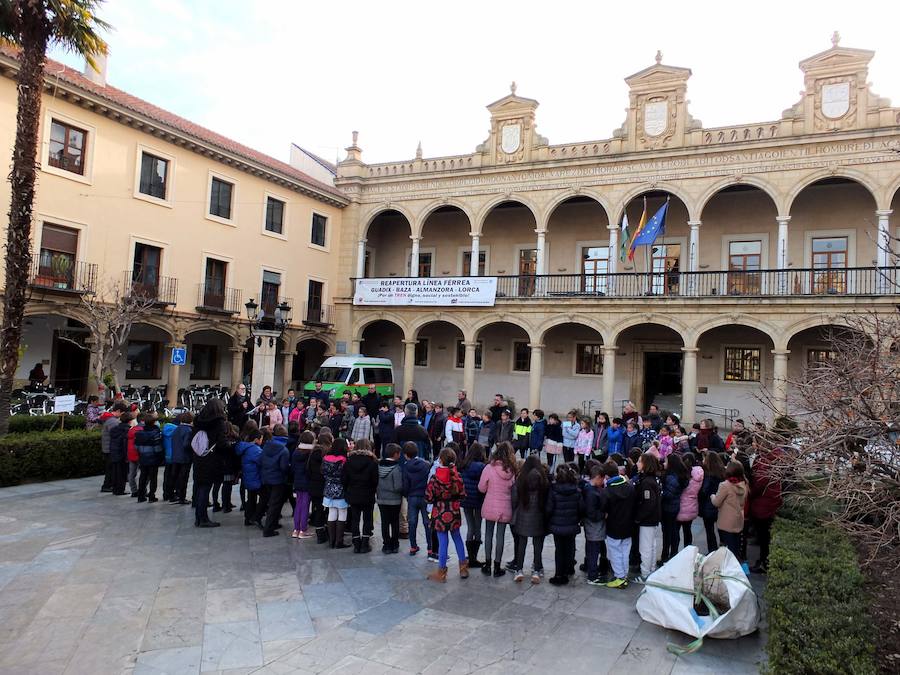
97 75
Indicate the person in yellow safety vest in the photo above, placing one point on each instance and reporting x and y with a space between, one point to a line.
522 433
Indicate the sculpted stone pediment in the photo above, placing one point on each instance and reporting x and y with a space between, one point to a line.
657 74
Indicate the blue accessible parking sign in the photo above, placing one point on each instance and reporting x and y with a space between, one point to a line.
179 356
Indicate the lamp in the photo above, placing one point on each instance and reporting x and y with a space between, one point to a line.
259 321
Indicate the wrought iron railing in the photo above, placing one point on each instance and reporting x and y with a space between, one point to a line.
62 273
162 290
216 298
318 315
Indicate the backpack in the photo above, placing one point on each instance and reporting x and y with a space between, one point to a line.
200 444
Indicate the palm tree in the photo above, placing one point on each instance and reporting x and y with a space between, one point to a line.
33 26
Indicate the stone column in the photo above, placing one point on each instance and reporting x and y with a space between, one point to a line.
473 263
174 376
883 242
534 375
693 258
779 380
469 370
613 248
355 346
237 367
689 386
263 362
781 255
414 257
409 365
541 246
287 373
609 377
361 259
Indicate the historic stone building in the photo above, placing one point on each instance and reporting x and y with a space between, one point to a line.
770 236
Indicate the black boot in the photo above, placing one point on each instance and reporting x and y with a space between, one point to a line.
498 570
486 566
357 544
366 546
340 526
472 548
332 527
321 535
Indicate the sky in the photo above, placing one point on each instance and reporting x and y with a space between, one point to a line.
271 72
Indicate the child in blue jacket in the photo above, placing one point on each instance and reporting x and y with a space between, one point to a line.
538 429
249 449
169 472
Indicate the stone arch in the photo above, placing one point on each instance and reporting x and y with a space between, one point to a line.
562 320
696 332
659 187
716 188
611 336
161 324
821 320
68 311
565 196
370 217
889 195
419 225
361 326
485 211
478 326
843 172
326 339
197 326
416 325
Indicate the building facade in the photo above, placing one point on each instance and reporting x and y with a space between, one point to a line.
130 195
775 232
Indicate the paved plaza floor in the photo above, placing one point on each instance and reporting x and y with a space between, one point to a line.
91 583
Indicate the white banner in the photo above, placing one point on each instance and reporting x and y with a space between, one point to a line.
432 292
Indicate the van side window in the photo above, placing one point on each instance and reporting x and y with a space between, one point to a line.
354 377
377 375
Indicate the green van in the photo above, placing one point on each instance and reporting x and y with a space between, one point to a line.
353 373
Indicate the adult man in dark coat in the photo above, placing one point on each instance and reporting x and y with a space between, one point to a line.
411 430
372 401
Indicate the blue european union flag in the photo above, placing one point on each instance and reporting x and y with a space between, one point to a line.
654 227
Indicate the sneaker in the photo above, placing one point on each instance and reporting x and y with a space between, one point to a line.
559 580
596 582
295 534
303 535
413 550
519 576
617 583
510 566
432 556
536 576
640 579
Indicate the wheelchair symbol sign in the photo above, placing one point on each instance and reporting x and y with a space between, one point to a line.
179 356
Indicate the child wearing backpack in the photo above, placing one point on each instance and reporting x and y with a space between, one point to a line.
249 449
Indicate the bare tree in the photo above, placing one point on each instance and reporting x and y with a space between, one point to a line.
109 317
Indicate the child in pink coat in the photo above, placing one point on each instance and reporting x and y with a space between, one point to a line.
496 484
690 497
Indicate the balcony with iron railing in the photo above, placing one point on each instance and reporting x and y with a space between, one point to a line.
317 314
62 274
161 290
790 283
217 299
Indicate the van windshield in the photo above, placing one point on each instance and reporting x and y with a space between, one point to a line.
331 374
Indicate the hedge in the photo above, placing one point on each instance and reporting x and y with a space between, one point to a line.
49 455
23 424
818 612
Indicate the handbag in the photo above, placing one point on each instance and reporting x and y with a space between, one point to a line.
552 447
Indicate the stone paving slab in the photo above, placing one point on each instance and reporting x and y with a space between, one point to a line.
107 585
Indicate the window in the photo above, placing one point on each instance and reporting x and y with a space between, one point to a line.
588 359
142 360
744 263
154 172
421 358
354 377
527 270
818 357
377 376
274 215
145 269
461 354
594 267
268 297
68 146
742 364
56 262
829 262
314 302
214 283
204 362
666 263
521 357
319 223
220 195
467 263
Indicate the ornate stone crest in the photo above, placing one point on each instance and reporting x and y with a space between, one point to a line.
656 117
510 138
835 99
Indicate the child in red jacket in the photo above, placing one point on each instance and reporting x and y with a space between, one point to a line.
445 491
132 456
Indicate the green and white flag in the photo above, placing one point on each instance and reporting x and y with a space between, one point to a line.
624 238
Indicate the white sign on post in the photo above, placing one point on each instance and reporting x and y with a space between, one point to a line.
64 404
429 292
